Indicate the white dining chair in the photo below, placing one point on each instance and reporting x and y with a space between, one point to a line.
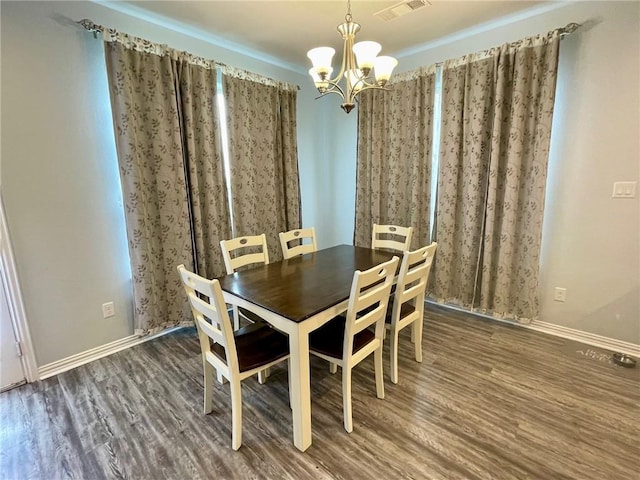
298 237
391 237
241 252
408 302
347 340
236 355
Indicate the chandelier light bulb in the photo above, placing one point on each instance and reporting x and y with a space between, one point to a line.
383 68
321 59
366 53
321 84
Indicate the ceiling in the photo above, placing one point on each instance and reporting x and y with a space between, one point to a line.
286 30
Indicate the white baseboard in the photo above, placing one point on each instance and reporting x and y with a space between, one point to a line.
563 332
586 337
87 356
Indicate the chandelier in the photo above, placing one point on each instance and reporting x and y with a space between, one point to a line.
357 63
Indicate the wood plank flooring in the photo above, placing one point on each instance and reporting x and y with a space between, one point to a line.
489 401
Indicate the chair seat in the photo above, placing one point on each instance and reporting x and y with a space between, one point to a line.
329 339
247 314
257 344
250 315
405 310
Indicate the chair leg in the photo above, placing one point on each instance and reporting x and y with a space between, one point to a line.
333 367
393 352
377 357
288 385
236 318
263 375
346 398
417 327
208 387
236 413
221 379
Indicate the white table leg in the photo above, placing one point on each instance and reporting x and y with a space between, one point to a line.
300 388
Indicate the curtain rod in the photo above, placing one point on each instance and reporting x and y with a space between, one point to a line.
95 29
569 28
99 29
226 69
563 32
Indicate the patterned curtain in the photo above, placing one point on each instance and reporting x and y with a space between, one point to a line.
465 137
263 157
210 218
523 110
172 183
497 112
394 157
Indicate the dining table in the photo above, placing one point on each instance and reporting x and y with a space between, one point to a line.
297 296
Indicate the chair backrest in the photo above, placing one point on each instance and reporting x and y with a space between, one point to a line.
299 248
239 259
413 278
368 301
210 315
394 237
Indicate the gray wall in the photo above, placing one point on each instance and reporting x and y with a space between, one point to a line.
60 180
591 242
61 189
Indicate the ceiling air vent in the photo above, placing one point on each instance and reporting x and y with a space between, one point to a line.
399 9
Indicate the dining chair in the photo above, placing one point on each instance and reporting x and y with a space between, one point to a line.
240 252
299 248
347 340
393 237
236 355
407 306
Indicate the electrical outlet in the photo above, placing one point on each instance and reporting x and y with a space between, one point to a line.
108 310
560 294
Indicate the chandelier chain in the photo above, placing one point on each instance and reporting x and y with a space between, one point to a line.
348 16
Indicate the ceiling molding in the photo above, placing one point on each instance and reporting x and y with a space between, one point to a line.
481 28
190 31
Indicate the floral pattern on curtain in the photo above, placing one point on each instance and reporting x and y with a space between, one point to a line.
263 158
171 175
497 113
465 137
523 111
210 217
394 157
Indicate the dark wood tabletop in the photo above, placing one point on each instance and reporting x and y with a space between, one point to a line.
300 287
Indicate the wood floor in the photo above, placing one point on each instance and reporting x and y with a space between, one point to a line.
488 401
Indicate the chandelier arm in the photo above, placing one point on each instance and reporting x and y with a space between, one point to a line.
350 67
375 87
331 91
335 88
363 81
371 87
337 78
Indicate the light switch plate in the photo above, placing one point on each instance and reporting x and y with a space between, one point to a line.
624 190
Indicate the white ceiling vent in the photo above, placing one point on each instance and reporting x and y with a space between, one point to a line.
399 9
